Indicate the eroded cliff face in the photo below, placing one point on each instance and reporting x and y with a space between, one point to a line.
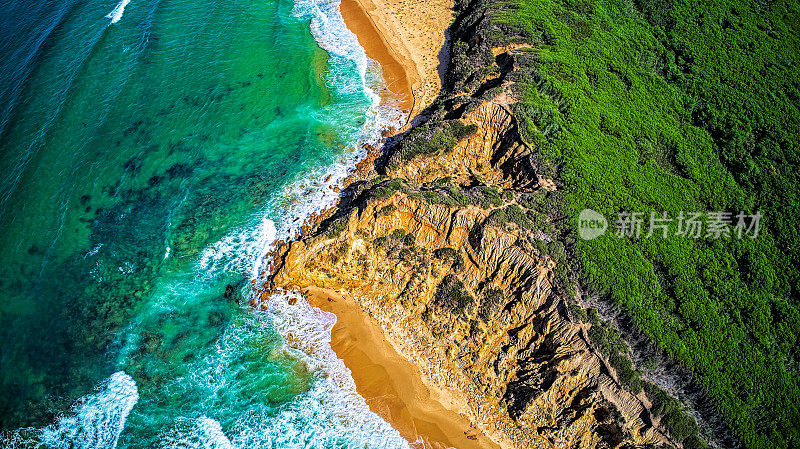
494 153
438 253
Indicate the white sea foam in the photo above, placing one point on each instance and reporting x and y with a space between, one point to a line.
329 30
95 421
331 33
116 14
239 250
332 413
200 433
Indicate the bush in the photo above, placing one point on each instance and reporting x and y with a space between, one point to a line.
388 188
493 302
449 254
626 375
441 191
336 226
488 197
677 423
452 296
430 139
398 234
511 214
387 210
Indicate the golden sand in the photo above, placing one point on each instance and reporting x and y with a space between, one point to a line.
407 37
376 47
392 386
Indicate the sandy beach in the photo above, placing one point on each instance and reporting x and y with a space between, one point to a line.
393 386
407 38
398 79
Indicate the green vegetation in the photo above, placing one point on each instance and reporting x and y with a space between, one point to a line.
611 345
427 139
512 214
541 201
384 189
653 106
336 226
387 210
443 193
398 234
679 425
440 191
488 197
451 255
493 301
670 411
452 296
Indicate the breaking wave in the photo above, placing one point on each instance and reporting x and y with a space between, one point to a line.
95 421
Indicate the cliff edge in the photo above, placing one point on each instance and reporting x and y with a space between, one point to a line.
448 243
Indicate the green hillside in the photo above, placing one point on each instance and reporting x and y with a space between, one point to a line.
683 106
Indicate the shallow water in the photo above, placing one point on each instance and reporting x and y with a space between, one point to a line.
149 153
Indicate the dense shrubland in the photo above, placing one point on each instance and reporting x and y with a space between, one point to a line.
658 106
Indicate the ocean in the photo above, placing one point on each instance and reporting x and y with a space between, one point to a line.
150 152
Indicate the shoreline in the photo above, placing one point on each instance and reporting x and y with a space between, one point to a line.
393 386
399 73
407 37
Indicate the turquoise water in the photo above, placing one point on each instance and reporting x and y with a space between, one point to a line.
150 151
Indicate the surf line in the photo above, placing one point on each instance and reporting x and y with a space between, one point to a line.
116 13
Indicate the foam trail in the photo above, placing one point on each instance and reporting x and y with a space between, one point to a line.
116 14
203 432
95 421
332 413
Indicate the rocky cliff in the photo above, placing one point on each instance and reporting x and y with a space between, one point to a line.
449 244
446 254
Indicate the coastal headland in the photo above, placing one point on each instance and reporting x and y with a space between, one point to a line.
438 263
405 39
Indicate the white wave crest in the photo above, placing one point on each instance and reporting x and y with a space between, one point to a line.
201 433
331 33
116 14
95 421
332 413
238 251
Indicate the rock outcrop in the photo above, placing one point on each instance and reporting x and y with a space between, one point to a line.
468 296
